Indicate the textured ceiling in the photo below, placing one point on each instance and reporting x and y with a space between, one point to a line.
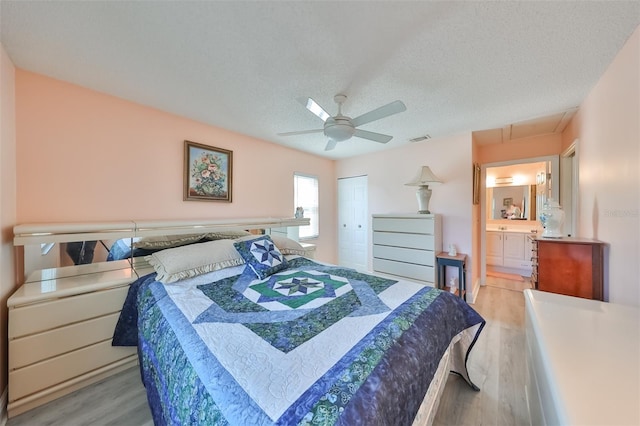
244 66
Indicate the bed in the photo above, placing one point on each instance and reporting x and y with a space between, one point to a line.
249 332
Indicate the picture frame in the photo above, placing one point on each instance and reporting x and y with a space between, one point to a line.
506 202
208 173
476 183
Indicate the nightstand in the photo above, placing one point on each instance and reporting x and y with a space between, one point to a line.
459 261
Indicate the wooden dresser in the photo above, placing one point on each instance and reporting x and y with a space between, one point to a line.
406 245
569 266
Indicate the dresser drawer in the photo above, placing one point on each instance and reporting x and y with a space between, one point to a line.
417 241
26 320
407 255
417 226
53 371
407 270
38 347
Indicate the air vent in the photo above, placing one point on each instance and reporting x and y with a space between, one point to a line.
420 138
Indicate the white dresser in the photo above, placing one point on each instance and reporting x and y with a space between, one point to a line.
61 322
405 245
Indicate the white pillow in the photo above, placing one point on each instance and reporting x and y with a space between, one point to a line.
178 263
287 245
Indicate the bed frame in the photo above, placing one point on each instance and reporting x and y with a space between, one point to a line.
61 319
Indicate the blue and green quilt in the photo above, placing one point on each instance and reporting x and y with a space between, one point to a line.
310 345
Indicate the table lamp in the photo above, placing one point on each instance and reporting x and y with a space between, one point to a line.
423 179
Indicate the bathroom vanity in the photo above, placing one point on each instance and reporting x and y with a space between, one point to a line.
509 248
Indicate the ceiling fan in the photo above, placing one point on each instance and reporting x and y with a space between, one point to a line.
340 127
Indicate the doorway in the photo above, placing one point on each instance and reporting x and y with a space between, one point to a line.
550 189
353 222
569 189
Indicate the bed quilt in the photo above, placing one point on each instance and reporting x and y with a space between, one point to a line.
312 344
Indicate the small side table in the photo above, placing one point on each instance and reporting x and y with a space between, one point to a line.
443 259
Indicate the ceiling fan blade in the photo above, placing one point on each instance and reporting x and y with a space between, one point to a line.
378 113
376 137
315 108
330 145
300 132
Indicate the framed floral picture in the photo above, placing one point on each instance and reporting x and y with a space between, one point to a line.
207 173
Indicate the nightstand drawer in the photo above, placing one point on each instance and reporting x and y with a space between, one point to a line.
53 371
38 347
28 319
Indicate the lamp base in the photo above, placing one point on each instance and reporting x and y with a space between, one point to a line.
423 194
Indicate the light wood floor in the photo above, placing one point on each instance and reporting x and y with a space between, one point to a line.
496 365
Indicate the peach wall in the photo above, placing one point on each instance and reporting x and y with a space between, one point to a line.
536 146
7 201
608 132
87 156
448 157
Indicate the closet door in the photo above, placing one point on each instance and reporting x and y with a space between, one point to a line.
353 222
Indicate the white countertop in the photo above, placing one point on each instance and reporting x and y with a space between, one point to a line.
519 230
590 353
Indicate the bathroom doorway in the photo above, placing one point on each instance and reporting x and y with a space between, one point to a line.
537 180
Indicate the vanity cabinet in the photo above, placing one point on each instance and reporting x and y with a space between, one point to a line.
509 249
406 246
570 266
495 248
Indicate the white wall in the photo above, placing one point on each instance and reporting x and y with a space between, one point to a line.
448 157
609 177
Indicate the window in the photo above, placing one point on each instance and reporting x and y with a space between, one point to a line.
305 195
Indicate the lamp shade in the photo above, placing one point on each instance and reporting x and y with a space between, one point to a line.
424 177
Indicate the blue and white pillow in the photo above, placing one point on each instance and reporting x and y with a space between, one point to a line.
262 255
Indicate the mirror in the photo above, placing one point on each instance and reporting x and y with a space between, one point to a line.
55 255
512 202
528 183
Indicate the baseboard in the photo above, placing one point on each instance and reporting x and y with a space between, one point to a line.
474 292
3 407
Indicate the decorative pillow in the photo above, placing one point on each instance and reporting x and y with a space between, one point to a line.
287 245
262 255
192 260
167 241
